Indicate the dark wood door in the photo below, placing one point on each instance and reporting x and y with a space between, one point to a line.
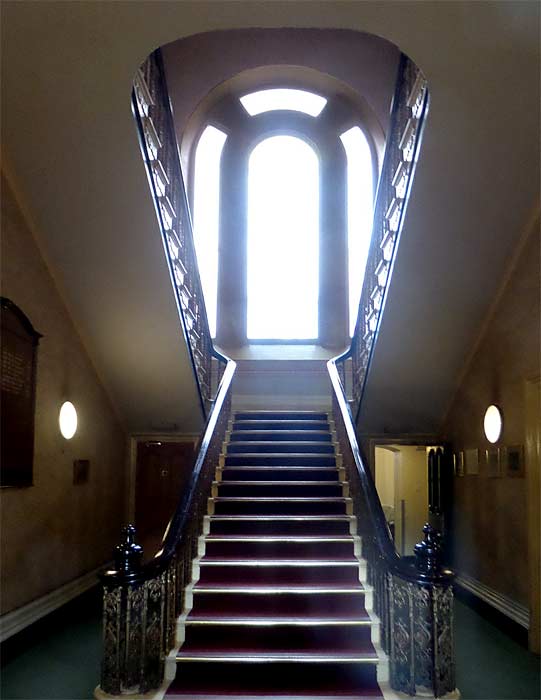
162 473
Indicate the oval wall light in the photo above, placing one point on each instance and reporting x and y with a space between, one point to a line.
67 420
493 423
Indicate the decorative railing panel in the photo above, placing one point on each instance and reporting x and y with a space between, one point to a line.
409 109
413 601
160 151
141 603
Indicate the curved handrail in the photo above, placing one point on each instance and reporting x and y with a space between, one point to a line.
155 127
409 109
381 533
175 530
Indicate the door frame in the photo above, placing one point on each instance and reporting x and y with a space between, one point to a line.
132 467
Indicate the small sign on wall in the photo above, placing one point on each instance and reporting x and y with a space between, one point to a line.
471 462
81 469
514 460
459 463
494 465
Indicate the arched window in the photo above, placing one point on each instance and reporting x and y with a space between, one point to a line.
284 191
283 240
360 202
207 215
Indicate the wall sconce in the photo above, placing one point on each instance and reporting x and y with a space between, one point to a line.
493 423
67 420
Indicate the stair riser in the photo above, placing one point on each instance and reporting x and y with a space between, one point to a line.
285 460
280 416
278 638
278 426
274 550
280 527
275 447
280 680
290 474
280 436
293 604
278 575
277 508
225 490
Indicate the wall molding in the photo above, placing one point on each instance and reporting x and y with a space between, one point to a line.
16 620
507 606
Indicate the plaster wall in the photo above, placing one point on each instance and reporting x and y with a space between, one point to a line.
54 531
411 486
198 63
385 477
490 515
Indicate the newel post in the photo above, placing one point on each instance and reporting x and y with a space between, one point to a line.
133 612
422 658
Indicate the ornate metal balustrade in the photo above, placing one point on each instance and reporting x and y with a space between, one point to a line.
141 603
410 105
159 147
414 602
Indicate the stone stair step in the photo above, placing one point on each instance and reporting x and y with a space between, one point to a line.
276 506
262 473
280 525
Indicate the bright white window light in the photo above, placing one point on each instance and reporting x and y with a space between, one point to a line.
493 423
67 420
206 215
283 240
360 196
283 98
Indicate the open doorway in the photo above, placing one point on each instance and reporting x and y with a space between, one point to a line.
401 474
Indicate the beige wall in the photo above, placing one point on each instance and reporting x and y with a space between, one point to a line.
411 486
385 477
490 532
54 531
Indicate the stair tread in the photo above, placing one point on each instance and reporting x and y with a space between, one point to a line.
282 455
272 561
274 431
253 694
282 517
273 538
319 587
367 654
275 467
278 620
297 443
264 499
263 482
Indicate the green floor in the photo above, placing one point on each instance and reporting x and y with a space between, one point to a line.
59 658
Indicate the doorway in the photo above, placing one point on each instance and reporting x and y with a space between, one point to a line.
163 471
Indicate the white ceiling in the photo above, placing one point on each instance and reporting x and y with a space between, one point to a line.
70 149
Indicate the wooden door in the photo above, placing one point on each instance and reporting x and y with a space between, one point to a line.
162 473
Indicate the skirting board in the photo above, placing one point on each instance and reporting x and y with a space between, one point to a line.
16 620
507 606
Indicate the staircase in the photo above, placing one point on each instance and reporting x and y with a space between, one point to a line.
278 605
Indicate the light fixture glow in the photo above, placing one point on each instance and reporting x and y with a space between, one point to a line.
283 98
67 420
493 423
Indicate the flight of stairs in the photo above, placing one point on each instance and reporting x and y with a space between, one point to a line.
278 606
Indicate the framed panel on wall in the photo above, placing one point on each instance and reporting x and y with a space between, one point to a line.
18 384
493 461
514 461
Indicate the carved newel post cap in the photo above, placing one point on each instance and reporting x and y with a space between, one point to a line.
428 552
128 554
